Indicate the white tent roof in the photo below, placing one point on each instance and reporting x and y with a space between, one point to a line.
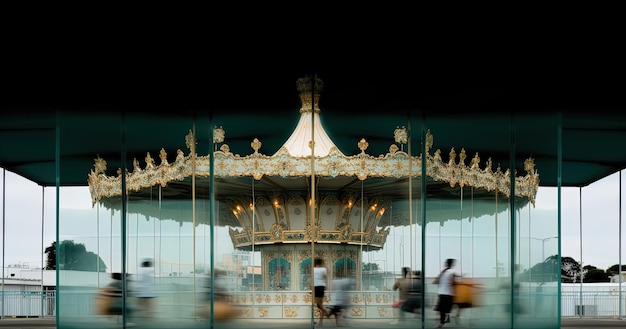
298 143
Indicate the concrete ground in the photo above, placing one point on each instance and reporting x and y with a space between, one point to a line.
50 323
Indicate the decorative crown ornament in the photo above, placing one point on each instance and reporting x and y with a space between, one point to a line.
310 89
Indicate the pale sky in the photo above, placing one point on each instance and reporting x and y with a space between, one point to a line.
23 230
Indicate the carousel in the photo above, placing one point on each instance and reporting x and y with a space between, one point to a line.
309 199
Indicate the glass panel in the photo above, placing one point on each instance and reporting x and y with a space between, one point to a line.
89 238
538 229
144 258
470 223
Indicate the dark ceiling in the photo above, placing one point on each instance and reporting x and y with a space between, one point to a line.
466 91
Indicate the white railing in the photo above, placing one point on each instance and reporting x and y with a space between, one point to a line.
27 303
592 304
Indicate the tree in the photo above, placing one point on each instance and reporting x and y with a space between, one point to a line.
614 270
51 256
73 256
570 269
548 270
593 274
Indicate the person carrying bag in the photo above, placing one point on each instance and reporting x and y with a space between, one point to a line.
413 303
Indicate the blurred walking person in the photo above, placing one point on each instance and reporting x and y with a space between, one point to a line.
413 303
445 292
145 290
342 285
320 278
403 286
217 302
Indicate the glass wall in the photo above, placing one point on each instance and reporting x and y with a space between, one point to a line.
214 244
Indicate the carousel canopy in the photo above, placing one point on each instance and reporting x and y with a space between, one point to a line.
347 185
295 160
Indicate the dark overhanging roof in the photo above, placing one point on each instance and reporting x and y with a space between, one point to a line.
591 141
467 103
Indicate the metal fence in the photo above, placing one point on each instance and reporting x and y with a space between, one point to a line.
601 304
27 303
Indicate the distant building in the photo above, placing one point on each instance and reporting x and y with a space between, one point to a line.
615 278
23 289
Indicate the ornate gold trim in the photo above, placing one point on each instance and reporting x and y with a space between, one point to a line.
394 164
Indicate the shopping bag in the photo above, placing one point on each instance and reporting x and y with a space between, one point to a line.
221 310
463 295
103 301
109 302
